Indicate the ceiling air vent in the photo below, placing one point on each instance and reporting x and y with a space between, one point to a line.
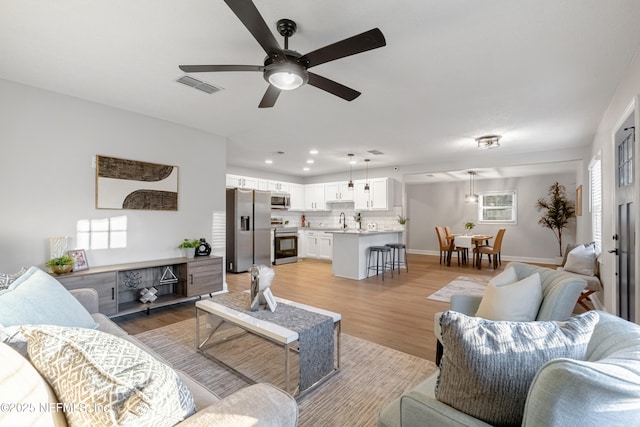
198 84
375 152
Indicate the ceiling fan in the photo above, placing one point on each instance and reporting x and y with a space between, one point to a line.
286 69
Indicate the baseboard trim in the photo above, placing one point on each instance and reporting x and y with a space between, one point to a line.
530 260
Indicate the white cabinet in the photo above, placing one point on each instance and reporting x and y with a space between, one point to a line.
311 244
325 246
314 197
246 182
282 187
296 191
377 198
318 244
338 192
302 244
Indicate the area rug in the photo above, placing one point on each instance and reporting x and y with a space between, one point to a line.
370 375
461 285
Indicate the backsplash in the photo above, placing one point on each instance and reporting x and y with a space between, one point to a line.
384 220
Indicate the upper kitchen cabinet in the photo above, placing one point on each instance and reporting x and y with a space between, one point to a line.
314 197
277 186
377 198
296 192
338 192
246 182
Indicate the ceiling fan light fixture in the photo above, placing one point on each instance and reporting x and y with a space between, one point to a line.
488 141
286 76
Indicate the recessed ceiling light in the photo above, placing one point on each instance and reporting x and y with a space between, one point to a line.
314 151
310 162
306 169
268 161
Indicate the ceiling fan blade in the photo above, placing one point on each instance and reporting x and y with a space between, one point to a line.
270 97
335 88
248 14
211 68
368 40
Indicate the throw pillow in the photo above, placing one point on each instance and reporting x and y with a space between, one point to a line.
488 366
582 260
8 278
106 379
507 277
36 298
518 301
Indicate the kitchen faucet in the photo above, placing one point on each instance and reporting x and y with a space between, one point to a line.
343 220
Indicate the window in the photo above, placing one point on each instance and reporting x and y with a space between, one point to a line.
595 201
497 207
625 162
102 233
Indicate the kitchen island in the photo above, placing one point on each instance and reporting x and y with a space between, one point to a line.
351 250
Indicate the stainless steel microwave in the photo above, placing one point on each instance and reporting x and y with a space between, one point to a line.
280 200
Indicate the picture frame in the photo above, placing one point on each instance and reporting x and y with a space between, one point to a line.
271 301
579 200
80 259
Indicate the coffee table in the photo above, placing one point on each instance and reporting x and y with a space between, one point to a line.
282 336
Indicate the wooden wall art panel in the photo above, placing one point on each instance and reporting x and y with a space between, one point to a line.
130 184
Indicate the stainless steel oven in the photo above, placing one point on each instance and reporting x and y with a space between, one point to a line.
285 245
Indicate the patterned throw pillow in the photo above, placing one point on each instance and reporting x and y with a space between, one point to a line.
8 278
106 380
488 366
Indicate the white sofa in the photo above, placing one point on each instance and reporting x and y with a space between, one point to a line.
28 398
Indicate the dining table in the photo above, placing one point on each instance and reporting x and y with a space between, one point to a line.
469 241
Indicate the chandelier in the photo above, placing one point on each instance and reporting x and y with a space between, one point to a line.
472 197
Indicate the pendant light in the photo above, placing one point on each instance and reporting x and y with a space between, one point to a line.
366 185
350 185
472 197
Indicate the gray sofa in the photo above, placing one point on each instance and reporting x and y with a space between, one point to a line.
601 391
255 405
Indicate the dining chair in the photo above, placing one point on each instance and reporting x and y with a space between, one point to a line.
494 250
463 249
445 246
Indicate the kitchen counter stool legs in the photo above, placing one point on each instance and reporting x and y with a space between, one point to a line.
396 258
382 254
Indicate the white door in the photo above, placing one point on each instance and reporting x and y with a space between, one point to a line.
625 234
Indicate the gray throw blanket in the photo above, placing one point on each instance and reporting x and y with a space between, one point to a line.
315 334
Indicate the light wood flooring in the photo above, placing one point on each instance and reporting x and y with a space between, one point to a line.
395 313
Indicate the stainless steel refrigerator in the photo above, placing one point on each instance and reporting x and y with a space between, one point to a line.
248 229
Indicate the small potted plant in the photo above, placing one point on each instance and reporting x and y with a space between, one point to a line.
402 220
469 226
189 246
61 265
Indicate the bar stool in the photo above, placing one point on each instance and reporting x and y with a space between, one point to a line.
395 250
382 253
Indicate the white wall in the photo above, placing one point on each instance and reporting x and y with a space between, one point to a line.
442 204
603 142
48 183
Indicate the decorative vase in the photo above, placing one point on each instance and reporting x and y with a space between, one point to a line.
62 269
190 252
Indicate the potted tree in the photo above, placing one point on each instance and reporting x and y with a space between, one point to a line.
189 246
61 265
557 210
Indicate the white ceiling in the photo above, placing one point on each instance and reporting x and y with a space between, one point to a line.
538 72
